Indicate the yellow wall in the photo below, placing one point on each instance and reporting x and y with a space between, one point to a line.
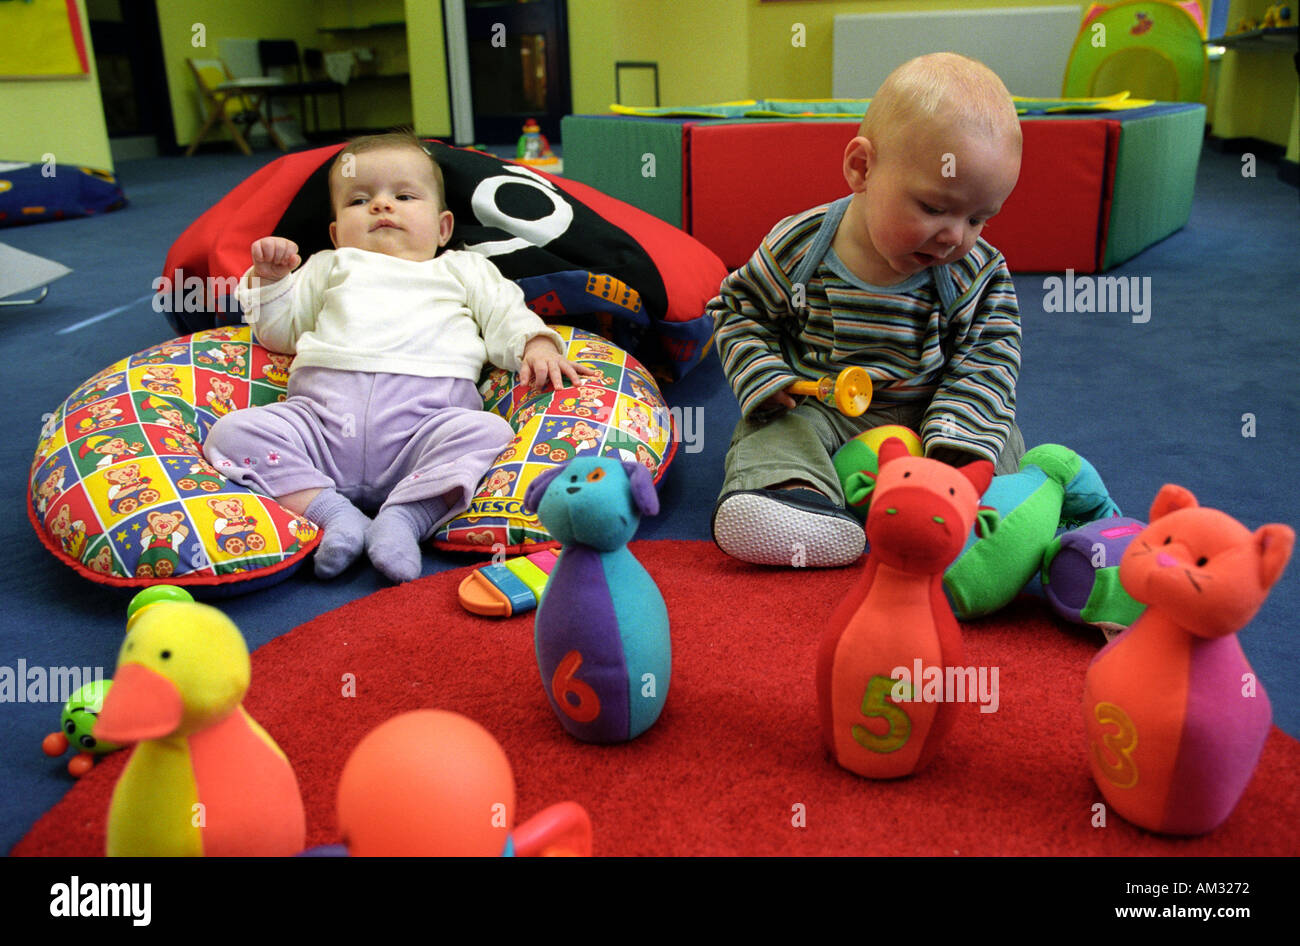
430 96
712 51
596 34
701 48
79 136
723 50
1256 95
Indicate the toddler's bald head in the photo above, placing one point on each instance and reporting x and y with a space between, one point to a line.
941 90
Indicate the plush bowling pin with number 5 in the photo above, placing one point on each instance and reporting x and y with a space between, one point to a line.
897 616
601 630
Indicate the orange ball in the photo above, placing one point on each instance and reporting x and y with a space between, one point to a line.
428 783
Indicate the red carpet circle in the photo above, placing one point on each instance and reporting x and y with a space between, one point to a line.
735 765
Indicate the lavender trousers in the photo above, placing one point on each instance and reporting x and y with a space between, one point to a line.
378 439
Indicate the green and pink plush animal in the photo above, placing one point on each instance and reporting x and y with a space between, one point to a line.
1054 488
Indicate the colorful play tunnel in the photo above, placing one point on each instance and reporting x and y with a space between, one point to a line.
1148 48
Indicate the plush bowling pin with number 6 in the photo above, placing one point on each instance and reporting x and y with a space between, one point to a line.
601 630
1176 720
897 616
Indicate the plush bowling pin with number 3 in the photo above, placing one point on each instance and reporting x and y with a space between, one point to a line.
1176 720
601 630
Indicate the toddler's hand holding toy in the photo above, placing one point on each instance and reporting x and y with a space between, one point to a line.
274 258
781 400
849 392
543 362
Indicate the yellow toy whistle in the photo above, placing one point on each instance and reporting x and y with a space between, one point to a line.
849 392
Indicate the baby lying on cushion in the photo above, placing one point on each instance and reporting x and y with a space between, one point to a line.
390 338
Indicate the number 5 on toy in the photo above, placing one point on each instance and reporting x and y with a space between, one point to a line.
874 705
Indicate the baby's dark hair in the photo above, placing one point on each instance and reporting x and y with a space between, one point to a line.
399 138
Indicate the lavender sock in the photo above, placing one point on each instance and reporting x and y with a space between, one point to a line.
393 539
344 532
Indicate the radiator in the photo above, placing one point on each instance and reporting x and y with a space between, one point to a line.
1026 46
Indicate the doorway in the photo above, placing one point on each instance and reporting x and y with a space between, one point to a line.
518 67
132 77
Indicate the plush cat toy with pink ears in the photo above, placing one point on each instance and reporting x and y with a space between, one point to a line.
1176 720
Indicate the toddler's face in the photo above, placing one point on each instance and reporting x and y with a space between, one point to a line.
926 199
389 204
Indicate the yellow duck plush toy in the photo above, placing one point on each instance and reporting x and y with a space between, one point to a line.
204 777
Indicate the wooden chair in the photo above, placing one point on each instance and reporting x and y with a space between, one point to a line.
231 102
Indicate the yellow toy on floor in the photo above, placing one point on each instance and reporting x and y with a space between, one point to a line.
204 778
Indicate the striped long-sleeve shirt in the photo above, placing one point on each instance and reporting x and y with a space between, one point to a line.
963 363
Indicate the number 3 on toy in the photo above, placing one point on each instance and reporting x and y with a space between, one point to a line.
1121 743
563 683
873 704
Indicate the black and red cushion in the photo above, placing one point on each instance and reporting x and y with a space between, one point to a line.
581 257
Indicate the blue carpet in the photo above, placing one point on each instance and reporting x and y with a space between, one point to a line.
1162 401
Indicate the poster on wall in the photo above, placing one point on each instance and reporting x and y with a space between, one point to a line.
41 39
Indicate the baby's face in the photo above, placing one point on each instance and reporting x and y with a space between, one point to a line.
927 197
389 204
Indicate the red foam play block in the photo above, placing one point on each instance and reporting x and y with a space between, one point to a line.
744 178
1053 219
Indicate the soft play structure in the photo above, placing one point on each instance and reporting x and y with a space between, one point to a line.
119 487
1100 180
1145 47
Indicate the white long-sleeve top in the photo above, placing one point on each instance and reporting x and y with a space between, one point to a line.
357 310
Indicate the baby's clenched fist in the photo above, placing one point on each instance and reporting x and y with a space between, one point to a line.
274 258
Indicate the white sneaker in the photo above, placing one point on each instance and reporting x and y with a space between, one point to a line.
791 527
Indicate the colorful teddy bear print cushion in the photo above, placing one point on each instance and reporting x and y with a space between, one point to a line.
120 490
617 412
119 486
